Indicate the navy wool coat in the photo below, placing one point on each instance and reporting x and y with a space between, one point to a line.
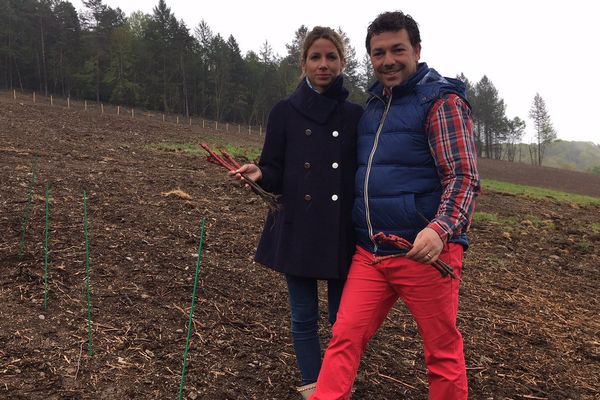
309 157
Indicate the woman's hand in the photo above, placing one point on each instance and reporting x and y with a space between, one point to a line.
250 171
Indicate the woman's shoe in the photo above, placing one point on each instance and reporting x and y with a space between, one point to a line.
307 390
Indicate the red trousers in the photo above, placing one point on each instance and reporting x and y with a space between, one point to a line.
369 294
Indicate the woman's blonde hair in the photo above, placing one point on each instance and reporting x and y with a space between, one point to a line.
322 32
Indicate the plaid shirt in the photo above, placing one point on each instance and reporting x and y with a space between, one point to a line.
449 128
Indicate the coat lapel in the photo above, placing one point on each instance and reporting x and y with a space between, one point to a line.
315 106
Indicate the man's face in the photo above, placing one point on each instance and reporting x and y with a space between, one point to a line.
394 59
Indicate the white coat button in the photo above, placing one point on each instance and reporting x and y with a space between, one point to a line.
335 165
335 133
334 197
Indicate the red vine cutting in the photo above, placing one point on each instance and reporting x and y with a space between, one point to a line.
403 244
226 161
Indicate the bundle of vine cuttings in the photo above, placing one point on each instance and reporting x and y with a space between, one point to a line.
403 244
226 161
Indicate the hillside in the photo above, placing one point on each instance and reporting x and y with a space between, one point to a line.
546 177
581 156
577 156
530 291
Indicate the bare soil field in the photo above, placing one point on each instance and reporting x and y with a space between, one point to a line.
530 296
552 178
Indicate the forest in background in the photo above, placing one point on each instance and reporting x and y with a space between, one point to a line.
576 156
154 61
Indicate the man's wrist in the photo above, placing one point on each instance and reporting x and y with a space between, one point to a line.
439 229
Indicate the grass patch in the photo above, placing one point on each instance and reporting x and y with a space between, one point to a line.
247 153
494 259
584 246
239 152
485 217
509 222
595 227
186 148
495 219
538 193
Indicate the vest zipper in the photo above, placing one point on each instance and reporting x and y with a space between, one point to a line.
368 172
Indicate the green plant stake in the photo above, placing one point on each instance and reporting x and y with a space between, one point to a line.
87 275
187 340
46 254
27 208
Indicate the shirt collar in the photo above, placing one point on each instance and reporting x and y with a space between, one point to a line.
310 85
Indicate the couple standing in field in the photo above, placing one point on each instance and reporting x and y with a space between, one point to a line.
404 167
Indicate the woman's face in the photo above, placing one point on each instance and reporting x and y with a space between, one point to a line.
322 64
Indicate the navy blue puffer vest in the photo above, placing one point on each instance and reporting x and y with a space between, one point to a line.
397 186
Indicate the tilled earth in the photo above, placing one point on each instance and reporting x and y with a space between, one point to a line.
529 297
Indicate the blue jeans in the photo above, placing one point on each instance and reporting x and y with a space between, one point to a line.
304 304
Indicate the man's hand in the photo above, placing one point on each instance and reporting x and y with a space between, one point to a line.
427 247
250 171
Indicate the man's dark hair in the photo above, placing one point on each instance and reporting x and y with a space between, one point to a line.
393 21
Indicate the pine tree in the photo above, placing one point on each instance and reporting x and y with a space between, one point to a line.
515 132
65 56
352 70
544 131
203 36
488 117
99 21
161 37
290 69
367 74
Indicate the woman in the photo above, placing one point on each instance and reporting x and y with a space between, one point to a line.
309 158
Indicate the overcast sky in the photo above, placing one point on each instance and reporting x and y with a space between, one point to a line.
523 46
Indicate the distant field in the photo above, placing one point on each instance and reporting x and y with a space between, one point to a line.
535 192
545 177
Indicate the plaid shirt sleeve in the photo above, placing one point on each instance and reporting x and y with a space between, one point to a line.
449 129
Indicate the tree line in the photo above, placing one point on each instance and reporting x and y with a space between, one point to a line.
154 61
497 136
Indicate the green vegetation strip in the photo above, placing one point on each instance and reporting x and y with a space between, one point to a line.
509 222
46 253
538 193
27 208
87 274
186 148
187 340
250 153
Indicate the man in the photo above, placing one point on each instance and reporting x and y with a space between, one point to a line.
417 179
